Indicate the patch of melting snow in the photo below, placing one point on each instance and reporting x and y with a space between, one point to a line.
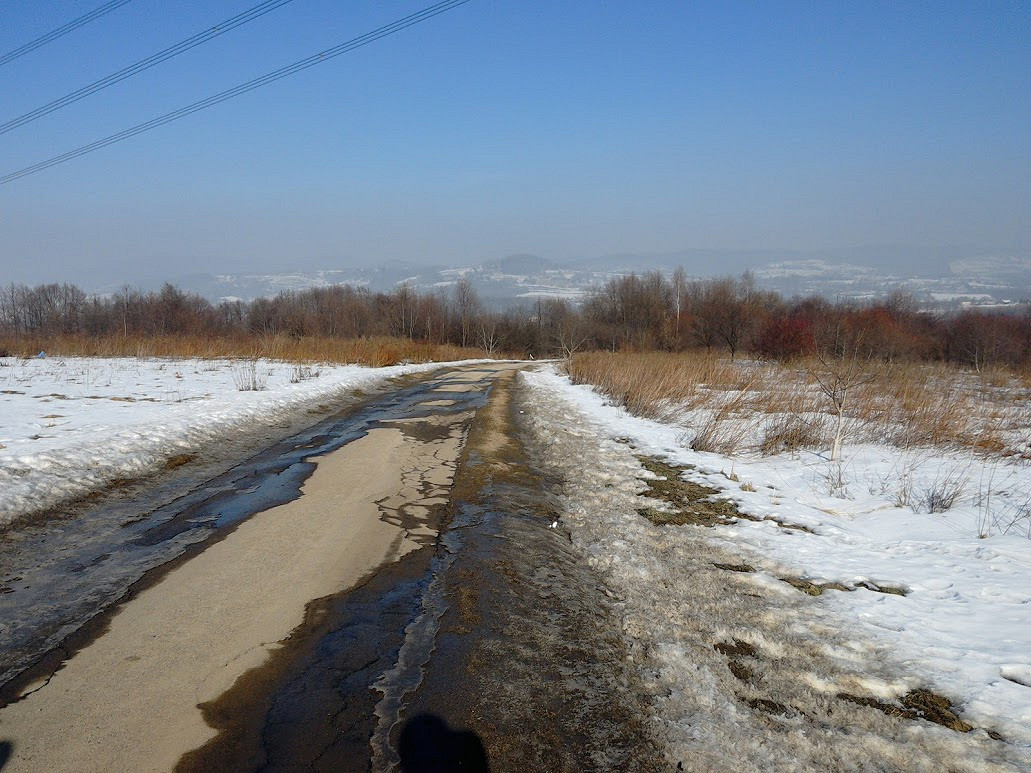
961 630
1017 672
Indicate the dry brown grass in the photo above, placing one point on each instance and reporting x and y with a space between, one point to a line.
363 351
922 404
652 383
771 407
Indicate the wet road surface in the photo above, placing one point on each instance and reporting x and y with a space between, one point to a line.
417 602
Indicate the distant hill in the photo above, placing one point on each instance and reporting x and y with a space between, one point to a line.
943 276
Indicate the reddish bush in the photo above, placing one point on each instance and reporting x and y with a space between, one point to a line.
781 338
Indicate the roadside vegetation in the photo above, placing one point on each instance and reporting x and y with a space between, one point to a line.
768 407
651 312
374 351
926 436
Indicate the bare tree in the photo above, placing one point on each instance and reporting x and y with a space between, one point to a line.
490 336
467 308
838 377
403 306
679 297
568 330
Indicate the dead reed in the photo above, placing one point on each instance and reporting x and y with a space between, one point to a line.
771 407
378 351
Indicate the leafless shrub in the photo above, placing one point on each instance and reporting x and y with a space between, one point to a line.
725 429
1001 507
303 372
836 481
941 494
791 432
248 378
839 377
1018 516
716 436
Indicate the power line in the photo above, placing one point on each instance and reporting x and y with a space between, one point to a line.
243 88
74 24
145 64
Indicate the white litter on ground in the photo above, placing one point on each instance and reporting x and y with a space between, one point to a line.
963 629
71 425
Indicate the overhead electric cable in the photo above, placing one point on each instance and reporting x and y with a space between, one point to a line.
74 24
145 64
303 64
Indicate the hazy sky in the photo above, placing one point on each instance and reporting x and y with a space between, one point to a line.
564 129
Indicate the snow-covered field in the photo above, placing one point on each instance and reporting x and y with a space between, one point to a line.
963 629
70 425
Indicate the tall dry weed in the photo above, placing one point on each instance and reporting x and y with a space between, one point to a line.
770 407
377 351
651 384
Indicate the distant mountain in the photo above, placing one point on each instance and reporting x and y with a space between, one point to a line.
942 276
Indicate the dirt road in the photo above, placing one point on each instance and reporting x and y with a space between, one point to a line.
397 581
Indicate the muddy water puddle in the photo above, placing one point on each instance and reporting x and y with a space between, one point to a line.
60 573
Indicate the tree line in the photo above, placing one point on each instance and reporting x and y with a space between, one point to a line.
639 312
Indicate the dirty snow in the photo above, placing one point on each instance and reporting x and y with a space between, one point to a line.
963 630
70 425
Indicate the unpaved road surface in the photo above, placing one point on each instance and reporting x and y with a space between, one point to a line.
361 582
398 587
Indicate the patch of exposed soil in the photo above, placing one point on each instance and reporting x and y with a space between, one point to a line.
743 568
817 589
768 707
737 648
740 670
692 502
174 462
883 588
803 585
916 704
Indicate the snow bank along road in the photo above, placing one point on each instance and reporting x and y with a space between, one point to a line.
467 569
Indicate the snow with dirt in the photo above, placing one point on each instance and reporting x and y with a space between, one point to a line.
962 629
71 425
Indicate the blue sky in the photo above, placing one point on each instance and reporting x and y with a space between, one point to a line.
564 129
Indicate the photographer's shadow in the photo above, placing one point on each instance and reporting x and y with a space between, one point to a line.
428 745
